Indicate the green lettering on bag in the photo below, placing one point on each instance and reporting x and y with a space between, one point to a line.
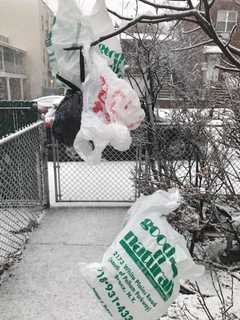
148 225
117 58
167 249
150 264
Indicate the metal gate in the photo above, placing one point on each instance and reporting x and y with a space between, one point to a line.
23 189
23 168
77 181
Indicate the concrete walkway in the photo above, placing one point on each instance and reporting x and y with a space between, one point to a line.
46 284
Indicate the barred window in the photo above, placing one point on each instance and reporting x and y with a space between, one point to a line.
226 20
19 62
15 88
9 60
3 89
1 58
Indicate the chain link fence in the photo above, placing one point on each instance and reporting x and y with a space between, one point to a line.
23 189
15 115
109 181
192 152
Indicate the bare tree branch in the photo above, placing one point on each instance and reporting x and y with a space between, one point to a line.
162 6
207 10
192 30
190 4
237 2
159 18
227 63
231 34
193 46
227 69
196 16
118 15
210 31
234 49
211 3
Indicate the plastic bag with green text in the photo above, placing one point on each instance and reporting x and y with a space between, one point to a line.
79 22
140 272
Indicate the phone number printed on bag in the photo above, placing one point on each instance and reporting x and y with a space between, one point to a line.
125 314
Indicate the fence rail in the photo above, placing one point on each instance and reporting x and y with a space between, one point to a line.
15 115
23 188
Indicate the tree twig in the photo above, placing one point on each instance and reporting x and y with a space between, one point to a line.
193 46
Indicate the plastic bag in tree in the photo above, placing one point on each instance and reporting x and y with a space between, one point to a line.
140 272
80 23
110 109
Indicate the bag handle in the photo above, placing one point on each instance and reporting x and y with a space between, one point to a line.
68 83
81 61
82 65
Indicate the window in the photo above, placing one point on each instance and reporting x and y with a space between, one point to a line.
1 58
42 22
19 61
26 90
9 60
47 24
3 89
15 88
226 20
44 56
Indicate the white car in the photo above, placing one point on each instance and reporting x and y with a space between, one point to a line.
47 102
47 107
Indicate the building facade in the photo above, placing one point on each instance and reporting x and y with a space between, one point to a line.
24 28
225 14
185 70
13 78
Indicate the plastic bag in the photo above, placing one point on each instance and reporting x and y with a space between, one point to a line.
110 109
67 118
80 24
94 136
49 118
140 272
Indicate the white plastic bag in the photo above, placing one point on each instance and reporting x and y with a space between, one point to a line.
94 136
140 272
80 23
49 118
110 109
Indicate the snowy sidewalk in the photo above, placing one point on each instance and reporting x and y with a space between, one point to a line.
46 284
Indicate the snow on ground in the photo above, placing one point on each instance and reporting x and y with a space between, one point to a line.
232 169
188 307
109 181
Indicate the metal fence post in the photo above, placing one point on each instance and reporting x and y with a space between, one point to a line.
44 162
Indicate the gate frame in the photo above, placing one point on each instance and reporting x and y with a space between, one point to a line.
44 187
57 180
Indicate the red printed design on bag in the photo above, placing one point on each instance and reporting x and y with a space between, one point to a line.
101 97
120 104
135 124
116 99
107 117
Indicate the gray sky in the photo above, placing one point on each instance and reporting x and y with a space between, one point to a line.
113 4
127 6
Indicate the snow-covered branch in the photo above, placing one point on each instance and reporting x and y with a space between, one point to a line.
185 12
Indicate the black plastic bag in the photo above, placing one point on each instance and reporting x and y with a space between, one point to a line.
68 115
